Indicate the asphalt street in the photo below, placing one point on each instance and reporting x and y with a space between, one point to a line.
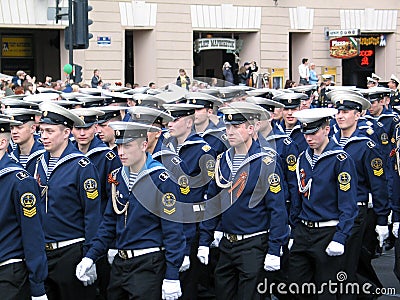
384 268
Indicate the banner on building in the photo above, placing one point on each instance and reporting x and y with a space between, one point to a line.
214 44
344 47
16 46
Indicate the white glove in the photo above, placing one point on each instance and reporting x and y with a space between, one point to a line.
217 238
290 244
395 229
383 233
171 289
272 262
334 249
92 273
202 254
111 255
185 265
84 271
43 297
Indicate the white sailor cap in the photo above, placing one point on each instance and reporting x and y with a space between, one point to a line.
110 112
126 132
16 103
327 77
290 100
55 114
5 124
115 98
376 77
394 78
264 92
180 110
203 99
312 119
148 115
22 114
239 112
91 101
89 115
91 91
42 89
265 103
305 89
370 79
350 101
376 93
42 97
148 100
117 88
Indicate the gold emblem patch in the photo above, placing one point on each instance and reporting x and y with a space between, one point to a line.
28 202
376 165
274 183
210 166
206 148
384 138
268 160
344 179
90 186
169 200
291 161
184 185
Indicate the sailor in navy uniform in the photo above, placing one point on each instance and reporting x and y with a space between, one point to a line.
105 133
248 200
105 162
143 216
70 203
393 84
290 125
199 159
23 263
139 99
371 179
324 171
28 147
213 135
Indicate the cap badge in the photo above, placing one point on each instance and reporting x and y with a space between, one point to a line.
137 116
289 101
82 118
230 117
341 101
45 113
117 133
304 124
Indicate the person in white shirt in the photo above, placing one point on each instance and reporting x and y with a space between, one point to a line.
304 72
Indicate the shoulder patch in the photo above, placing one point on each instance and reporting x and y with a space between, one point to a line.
166 135
224 137
206 148
369 131
28 203
379 124
369 123
163 176
396 119
84 162
371 144
341 156
176 160
287 141
110 155
22 175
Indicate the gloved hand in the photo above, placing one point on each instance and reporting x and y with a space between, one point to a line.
43 297
395 229
185 265
171 289
290 244
383 233
202 254
272 262
217 238
92 273
334 249
82 270
111 255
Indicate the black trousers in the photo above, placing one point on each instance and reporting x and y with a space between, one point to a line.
206 281
309 263
138 277
103 269
396 268
14 282
61 283
240 268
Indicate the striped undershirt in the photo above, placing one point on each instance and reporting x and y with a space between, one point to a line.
132 178
288 131
178 148
51 165
236 162
314 159
23 160
343 141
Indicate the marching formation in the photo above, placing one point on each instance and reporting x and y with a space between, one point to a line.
167 193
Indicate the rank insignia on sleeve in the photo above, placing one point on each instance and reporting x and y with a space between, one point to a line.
176 160
371 144
370 131
22 175
183 182
90 186
210 166
344 179
110 155
376 165
206 148
169 200
287 141
268 160
84 162
341 156
224 137
163 176
291 162
274 183
28 202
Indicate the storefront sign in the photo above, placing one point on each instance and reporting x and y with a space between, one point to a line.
104 41
214 43
16 46
379 40
365 55
344 32
344 47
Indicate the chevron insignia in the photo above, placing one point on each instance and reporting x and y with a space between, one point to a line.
29 212
169 211
92 195
344 187
378 172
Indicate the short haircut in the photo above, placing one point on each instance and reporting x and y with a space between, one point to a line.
304 60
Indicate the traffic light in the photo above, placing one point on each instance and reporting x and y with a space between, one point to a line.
80 25
78 73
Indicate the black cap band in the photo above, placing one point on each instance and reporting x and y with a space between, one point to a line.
236 119
312 127
148 103
126 136
348 105
24 118
182 113
270 108
56 119
146 119
5 127
202 102
108 116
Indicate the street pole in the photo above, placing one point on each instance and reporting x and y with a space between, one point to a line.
70 32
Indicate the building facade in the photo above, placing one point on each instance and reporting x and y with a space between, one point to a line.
145 41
